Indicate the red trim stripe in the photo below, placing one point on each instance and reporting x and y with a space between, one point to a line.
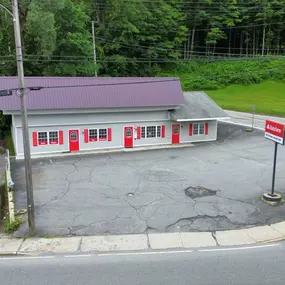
206 129
86 136
109 134
35 139
163 131
190 130
138 133
60 137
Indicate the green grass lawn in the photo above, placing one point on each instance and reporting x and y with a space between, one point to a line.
269 98
8 143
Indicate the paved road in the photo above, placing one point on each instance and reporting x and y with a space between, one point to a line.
248 266
246 119
88 195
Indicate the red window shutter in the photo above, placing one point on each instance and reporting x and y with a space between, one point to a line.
35 138
138 133
206 129
163 131
109 134
86 136
190 129
60 137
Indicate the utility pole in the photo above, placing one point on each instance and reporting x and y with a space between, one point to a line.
94 47
25 130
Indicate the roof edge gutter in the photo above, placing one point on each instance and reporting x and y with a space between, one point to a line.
203 119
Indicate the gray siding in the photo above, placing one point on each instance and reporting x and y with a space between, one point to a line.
212 133
97 118
116 122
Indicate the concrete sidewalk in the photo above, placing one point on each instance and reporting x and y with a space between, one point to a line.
245 119
142 242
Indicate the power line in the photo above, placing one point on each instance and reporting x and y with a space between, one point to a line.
171 79
32 88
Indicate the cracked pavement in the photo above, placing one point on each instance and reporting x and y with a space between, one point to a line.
140 192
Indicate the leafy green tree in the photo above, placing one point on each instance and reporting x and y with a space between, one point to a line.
73 41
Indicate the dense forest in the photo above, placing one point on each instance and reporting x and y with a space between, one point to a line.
140 37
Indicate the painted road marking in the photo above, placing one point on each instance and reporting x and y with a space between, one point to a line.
27 257
145 253
76 256
238 248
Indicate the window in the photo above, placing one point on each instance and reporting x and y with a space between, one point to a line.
143 132
151 132
202 129
42 138
53 137
158 131
102 134
93 135
73 136
48 138
128 132
198 129
176 130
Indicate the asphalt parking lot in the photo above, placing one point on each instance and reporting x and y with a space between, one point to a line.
206 187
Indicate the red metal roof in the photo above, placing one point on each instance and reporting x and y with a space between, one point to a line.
121 92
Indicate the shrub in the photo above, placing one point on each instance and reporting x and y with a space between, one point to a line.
11 227
218 74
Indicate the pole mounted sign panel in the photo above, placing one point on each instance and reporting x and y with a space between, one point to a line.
274 132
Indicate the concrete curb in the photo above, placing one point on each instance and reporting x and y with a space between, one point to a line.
242 125
142 242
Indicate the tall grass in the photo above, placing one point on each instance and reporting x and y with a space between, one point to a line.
216 75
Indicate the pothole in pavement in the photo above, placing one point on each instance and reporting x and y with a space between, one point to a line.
198 192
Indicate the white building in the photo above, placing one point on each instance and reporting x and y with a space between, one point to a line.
83 114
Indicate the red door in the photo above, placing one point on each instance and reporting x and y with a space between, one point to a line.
128 135
176 133
73 140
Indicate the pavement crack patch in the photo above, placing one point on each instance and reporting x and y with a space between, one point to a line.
17 251
191 220
66 191
49 201
215 238
234 200
72 225
79 245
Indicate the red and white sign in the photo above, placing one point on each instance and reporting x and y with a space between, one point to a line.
274 131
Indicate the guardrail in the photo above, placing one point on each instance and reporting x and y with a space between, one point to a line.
10 187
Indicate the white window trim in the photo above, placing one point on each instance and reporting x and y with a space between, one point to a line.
156 137
98 139
48 141
199 125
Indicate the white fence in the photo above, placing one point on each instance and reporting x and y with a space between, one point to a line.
10 186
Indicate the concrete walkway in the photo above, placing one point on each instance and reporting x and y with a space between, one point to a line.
245 119
142 242
2 169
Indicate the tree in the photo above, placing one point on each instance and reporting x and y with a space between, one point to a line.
73 41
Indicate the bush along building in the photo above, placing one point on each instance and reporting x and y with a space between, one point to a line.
84 114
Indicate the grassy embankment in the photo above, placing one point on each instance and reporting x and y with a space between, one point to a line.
237 85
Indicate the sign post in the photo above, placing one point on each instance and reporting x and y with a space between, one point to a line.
274 169
275 132
253 112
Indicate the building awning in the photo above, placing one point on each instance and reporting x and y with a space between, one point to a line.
198 107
